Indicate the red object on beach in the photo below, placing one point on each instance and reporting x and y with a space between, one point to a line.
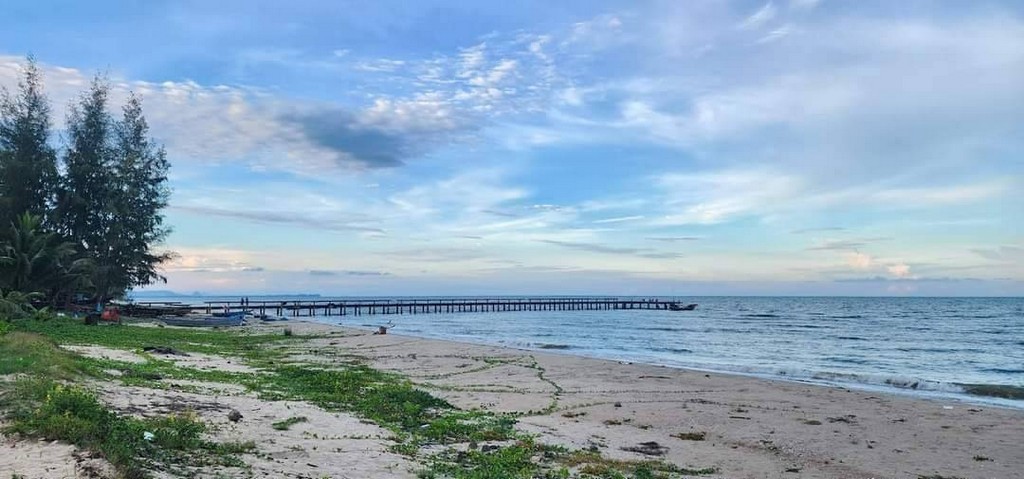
111 314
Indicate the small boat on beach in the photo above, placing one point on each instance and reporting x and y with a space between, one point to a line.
678 307
271 317
203 321
153 310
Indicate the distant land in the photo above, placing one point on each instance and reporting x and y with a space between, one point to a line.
162 293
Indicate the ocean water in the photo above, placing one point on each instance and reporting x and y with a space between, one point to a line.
937 347
934 347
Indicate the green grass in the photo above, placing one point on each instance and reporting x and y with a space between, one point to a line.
527 459
42 408
690 436
387 399
510 462
68 331
53 411
287 423
32 354
592 465
41 405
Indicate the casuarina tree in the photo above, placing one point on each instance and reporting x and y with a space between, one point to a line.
140 169
28 163
113 193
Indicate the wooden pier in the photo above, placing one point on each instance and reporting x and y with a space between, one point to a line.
360 307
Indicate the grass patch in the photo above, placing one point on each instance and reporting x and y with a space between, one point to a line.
386 399
287 423
523 460
51 411
690 436
68 331
592 464
42 408
527 459
36 355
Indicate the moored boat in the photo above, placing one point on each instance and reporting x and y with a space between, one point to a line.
678 307
154 310
203 321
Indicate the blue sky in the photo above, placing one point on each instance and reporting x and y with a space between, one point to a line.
705 147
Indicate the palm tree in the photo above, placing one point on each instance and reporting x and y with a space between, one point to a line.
16 305
33 260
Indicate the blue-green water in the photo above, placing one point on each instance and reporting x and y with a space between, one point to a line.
919 346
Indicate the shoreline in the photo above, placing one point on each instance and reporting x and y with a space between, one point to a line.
314 399
989 395
751 427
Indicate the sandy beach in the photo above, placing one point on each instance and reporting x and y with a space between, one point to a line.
742 427
752 428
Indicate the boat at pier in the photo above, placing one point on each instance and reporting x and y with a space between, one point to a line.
203 321
679 307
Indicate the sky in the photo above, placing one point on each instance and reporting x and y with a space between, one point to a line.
789 147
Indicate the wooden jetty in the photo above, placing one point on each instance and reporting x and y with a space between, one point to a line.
359 307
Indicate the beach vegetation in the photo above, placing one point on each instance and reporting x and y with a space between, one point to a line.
134 446
36 264
113 171
28 163
690 436
287 423
85 222
593 464
527 458
43 402
16 305
46 404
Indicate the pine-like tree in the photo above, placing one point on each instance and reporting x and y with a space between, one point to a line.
28 164
142 193
86 207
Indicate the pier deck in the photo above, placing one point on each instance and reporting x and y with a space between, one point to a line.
358 307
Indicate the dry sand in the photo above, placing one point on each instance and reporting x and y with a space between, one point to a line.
751 428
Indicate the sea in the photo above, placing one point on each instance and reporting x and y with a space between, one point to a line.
968 349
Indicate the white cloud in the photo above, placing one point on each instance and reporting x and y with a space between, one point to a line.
471 60
776 34
858 260
619 219
762 16
468 192
715 197
940 195
597 33
380 65
899 270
